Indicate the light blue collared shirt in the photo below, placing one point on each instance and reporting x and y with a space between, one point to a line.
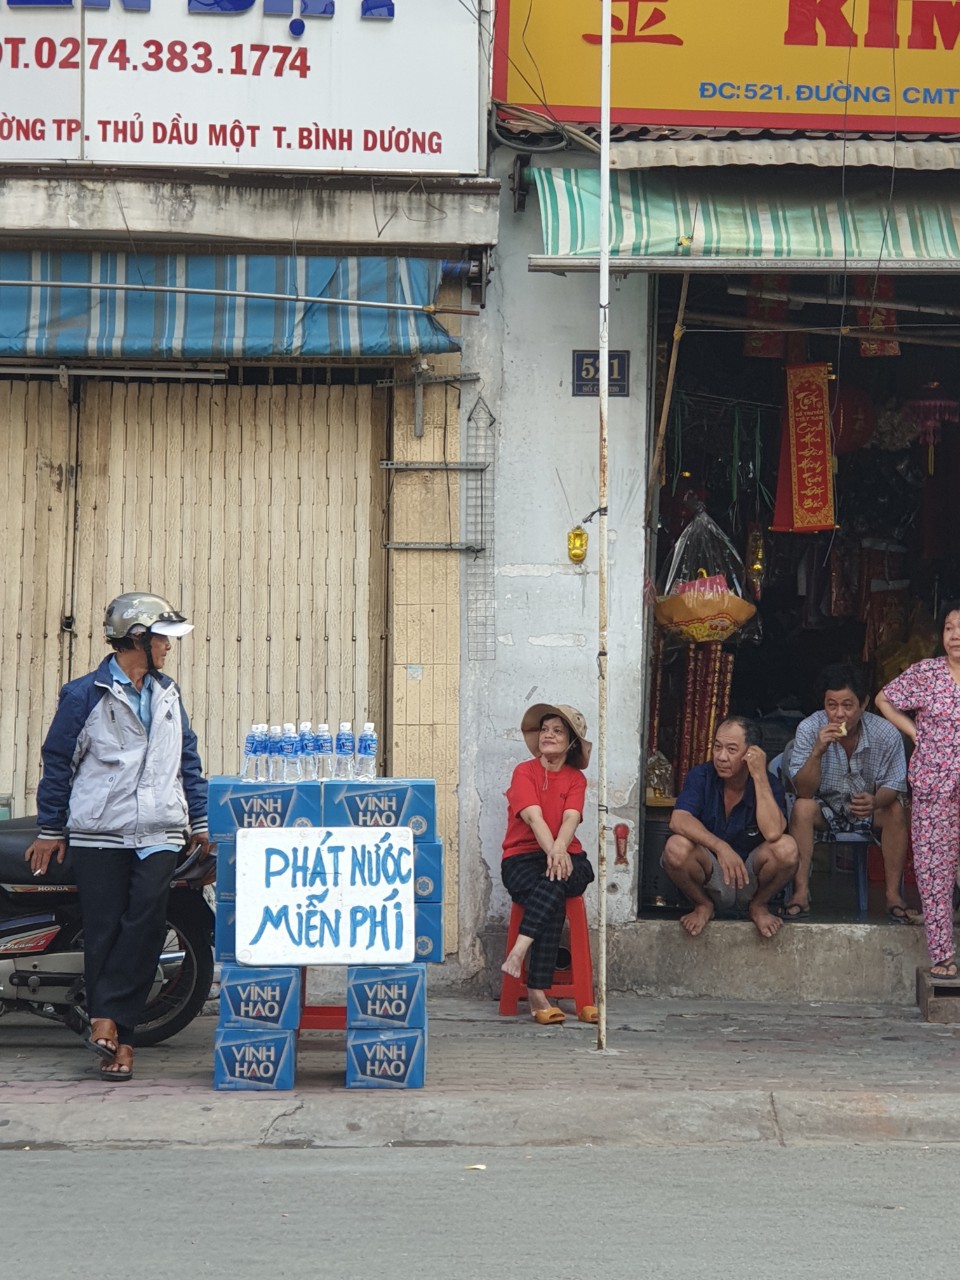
141 701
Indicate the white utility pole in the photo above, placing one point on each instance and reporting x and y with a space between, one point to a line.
606 47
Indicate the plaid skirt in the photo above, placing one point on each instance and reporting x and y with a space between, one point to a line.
544 907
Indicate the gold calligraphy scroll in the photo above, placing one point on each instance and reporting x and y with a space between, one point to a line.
882 320
805 480
769 343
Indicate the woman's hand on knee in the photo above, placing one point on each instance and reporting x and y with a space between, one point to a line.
559 865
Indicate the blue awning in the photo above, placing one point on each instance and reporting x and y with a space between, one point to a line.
55 321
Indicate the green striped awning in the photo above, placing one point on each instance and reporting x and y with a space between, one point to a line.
720 221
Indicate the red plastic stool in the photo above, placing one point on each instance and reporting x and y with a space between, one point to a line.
319 1017
579 989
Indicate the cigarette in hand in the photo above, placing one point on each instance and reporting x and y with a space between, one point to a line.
38 872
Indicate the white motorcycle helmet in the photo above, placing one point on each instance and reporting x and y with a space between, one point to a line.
136 612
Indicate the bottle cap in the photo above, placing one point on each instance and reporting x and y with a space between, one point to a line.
289 728
344 726
323 728
275 728
304 725
368 727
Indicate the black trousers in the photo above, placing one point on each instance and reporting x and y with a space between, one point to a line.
544 907
123 903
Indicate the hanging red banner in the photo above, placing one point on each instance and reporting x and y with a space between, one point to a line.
767 311
874 317
805 478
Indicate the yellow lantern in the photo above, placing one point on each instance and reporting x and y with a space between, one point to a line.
577 544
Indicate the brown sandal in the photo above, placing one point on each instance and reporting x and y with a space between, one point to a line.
121 1068
102 1039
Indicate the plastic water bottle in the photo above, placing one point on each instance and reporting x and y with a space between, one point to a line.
308 750
275 754
344 749
367 752
263 753
290 752
324 752
251 751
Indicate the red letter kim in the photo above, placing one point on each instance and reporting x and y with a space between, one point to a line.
928 16
804 15
882 25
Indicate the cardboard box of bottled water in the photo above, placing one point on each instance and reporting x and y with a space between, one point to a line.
226 869
233 805
382 802
225 931
428 871
387 996
247 1059
386 1059
428 926
262 998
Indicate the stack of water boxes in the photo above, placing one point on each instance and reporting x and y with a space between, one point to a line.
386 1026
255 1046
400 802
260 1009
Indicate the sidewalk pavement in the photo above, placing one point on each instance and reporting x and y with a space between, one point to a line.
676 1072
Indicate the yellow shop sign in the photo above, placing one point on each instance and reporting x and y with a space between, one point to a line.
837 64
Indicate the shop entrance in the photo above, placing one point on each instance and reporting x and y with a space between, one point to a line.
256 503
866 587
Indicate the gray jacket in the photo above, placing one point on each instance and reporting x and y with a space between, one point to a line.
106 782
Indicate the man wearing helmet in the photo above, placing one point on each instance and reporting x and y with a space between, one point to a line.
122 781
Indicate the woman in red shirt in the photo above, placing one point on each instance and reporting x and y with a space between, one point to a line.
543 861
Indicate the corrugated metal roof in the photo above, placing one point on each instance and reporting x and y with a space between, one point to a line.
824 153
670 145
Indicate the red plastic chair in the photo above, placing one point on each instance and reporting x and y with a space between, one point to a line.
576 984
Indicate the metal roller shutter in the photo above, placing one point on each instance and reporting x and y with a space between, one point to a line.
258 509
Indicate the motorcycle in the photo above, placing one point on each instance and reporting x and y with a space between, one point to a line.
41 942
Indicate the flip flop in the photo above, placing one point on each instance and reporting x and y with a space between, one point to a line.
794 911
589 1013
102 1039
123 1061
549 1017
900 915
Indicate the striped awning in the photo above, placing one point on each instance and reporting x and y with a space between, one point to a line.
126 306
716 221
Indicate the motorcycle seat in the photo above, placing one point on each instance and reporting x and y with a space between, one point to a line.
16 836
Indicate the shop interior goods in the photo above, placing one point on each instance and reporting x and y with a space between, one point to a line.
701 594
815 421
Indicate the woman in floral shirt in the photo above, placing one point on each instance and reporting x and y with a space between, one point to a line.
931 689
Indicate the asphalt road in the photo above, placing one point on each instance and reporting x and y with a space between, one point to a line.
424 1214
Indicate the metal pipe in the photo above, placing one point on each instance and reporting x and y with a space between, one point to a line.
126 287
742 325
777 295
606 48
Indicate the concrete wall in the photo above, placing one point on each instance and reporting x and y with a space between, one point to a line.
540 608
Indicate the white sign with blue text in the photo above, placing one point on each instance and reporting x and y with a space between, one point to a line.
325 895
370 85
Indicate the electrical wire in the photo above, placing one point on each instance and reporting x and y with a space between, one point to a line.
893 167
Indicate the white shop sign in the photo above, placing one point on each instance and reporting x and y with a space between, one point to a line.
269 84
325 895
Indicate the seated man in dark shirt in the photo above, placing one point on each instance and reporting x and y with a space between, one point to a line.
728 845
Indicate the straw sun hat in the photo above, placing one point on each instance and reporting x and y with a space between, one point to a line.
572 718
